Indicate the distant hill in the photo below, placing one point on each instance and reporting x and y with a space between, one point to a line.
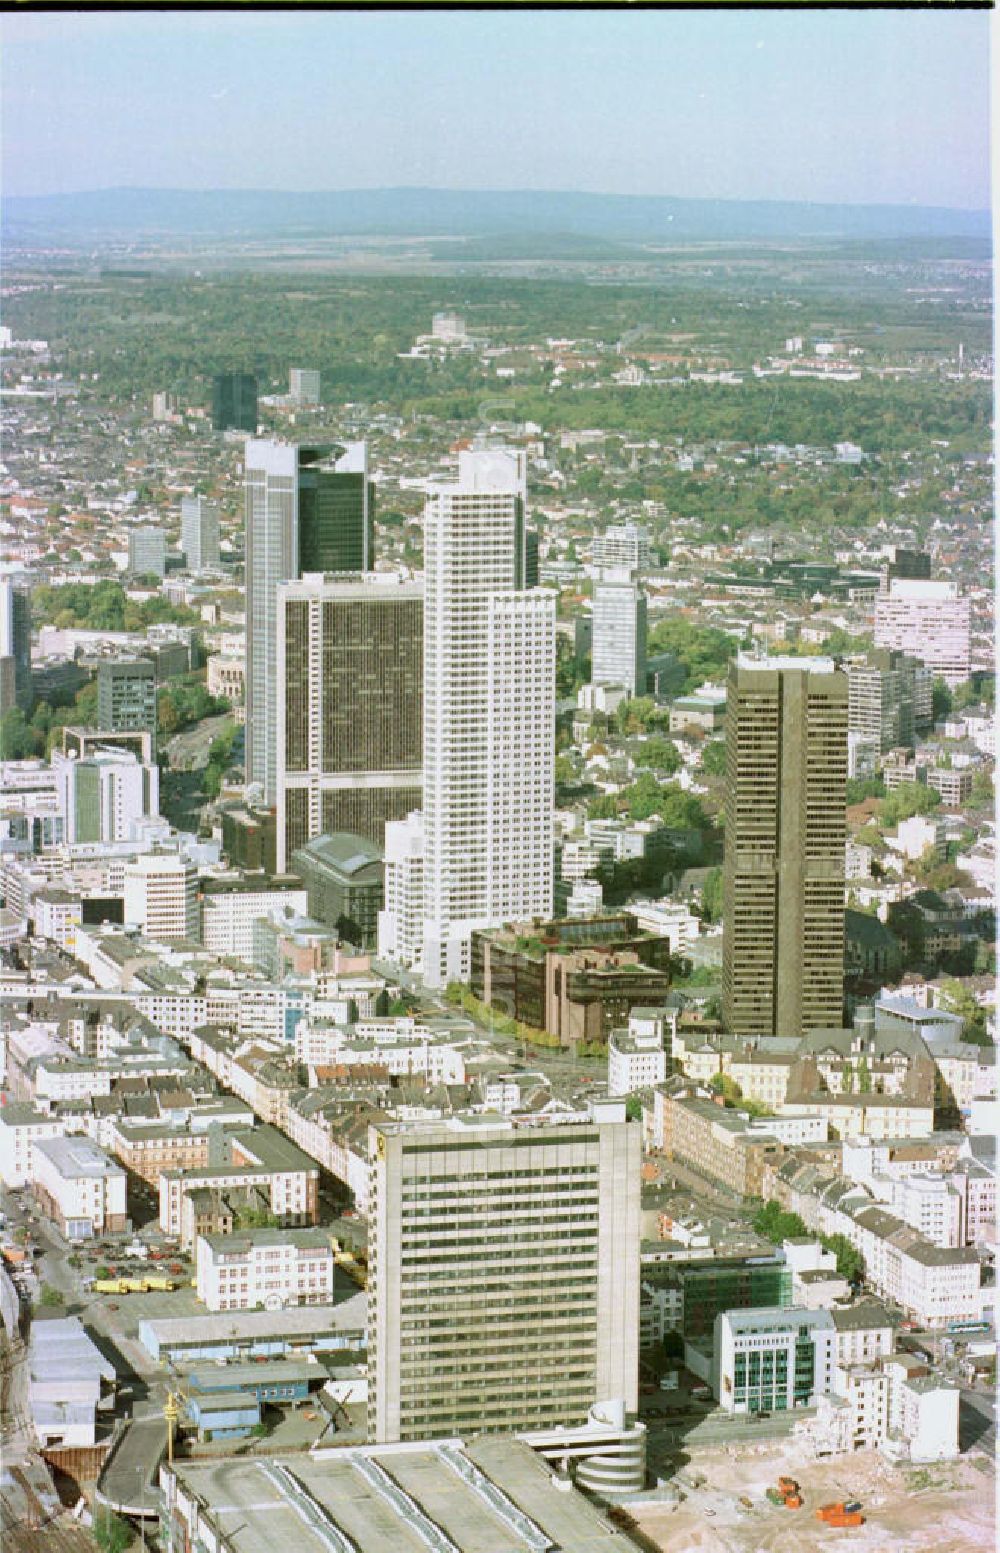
260 214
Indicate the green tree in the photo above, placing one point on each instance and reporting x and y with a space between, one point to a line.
864 1076
660 755
711 896
713 758
51 1297
18 739
908 799
959 999
850 1262
847 1078
111 1533
941 700
777 1224
603 808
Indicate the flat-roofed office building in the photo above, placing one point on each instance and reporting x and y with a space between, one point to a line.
503 1263
786 777
350 680
308 509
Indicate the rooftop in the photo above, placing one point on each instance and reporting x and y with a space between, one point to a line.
78 1157
479 1498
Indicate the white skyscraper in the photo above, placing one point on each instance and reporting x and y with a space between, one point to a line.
619 640
489 715
928 620
199 533
624 544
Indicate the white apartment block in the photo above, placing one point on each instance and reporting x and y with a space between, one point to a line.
56 915
503 1275
228 916
673 920
635 1061
624 546
489 714
273 1268
918 835
401 920
928 1202
79 1186
161 896
923 1411
929 621
20 1127
619 625
933 1284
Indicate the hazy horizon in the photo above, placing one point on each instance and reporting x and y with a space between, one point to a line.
826 107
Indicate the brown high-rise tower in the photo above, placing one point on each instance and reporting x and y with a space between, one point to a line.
786 773
350 693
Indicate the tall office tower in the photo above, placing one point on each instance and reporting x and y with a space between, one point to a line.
100 795
234 402
901 562
303 385
147 551
161 895
786 773
199 533
489 715
308 509
350 651
15 644
624 545
881 698
532 566
126 695
619 631
929 621
503 1273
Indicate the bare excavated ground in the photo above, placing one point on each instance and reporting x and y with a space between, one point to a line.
948 1507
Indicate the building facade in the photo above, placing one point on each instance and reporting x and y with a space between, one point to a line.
929 621
147 551
489 715
234 402
199 533
619 623
786 775
350 678
503 1283
161 896
126 695
308 509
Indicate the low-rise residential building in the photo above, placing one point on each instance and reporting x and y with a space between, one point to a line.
20 1127
79 1186
229 910
636 1060
261 1160
272 1268
718 1143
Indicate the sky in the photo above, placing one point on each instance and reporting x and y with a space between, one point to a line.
864 107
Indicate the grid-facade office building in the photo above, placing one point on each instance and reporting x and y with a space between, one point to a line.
489 715
234 402
126 695
503 1273
786 775
199 533
350 686
619 632
308 509
15 644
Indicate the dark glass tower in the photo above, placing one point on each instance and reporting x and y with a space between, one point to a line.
234 402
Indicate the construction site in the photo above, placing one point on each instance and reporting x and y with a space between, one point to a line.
754 1500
